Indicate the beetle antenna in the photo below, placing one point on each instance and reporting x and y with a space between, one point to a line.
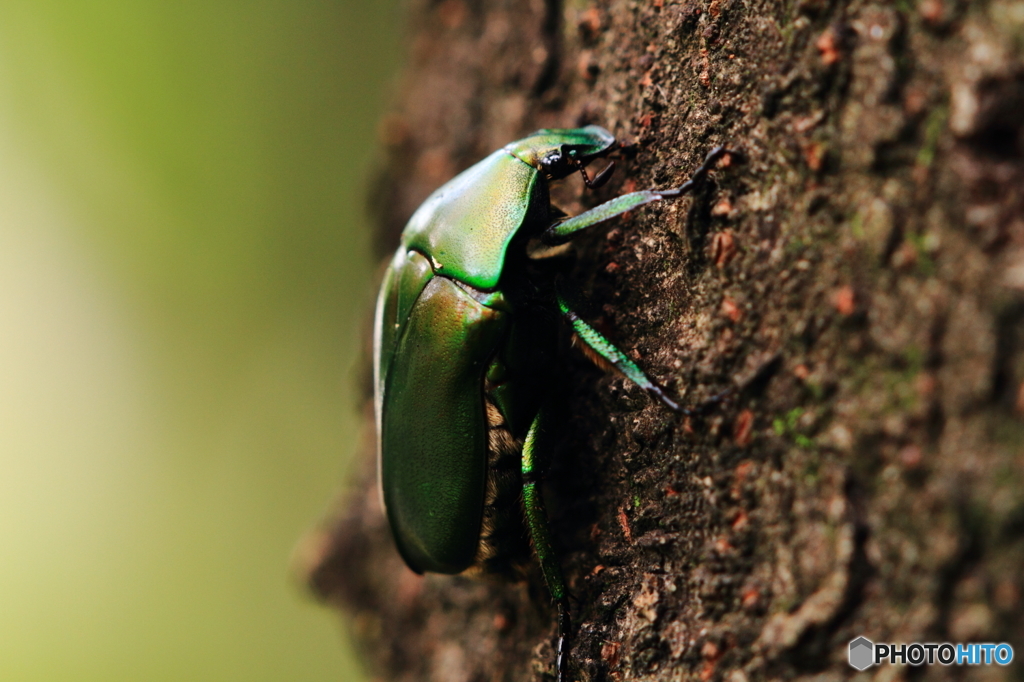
600 179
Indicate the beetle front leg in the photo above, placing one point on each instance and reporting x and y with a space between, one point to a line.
540 534
563 230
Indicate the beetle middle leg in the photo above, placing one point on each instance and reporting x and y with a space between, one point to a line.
540 534
563 230
609 353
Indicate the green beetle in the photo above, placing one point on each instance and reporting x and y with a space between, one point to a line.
462 339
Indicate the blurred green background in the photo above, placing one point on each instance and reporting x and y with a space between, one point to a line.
184 282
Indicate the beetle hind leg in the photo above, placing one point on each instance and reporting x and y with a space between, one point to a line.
540 535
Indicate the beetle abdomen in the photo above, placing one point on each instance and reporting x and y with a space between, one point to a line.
433 433
503 545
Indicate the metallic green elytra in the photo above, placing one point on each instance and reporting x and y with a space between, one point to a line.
464 331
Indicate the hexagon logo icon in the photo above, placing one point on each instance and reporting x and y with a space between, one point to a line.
862 653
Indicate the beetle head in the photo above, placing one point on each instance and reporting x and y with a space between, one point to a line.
557 152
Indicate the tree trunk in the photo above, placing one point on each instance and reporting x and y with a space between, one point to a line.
858 282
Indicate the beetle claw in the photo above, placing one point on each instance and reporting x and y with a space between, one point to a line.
710 162
561 648
699 409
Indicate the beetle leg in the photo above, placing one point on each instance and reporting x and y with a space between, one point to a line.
538 250
610 354
540 534
564 229
709 162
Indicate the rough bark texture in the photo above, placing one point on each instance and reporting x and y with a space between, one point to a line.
859 281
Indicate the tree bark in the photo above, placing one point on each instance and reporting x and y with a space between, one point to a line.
858 283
